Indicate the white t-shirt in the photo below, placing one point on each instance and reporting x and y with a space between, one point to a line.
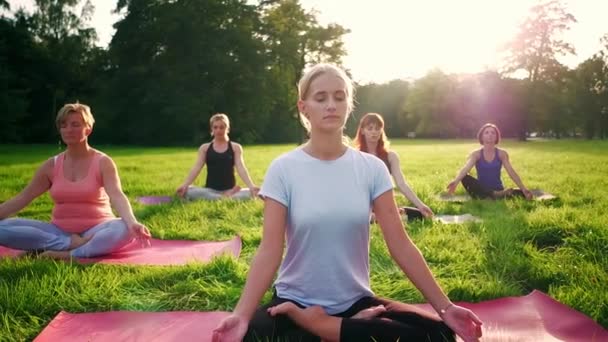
328 206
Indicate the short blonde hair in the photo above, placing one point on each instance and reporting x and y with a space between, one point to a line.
219 117
316 71
69 108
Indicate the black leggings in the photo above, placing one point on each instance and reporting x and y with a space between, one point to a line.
477 190
413 213
389 326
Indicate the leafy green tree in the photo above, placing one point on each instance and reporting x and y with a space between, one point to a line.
430 105
65 42
535 49
17 57
294 40
386 99
588 89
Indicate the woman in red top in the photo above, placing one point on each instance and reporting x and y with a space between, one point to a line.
82 182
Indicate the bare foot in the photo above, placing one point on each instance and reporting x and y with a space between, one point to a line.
372 312
78 241
503 193
56 255
231 192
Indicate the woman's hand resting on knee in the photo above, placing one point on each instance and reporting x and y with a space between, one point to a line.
140 233
463 322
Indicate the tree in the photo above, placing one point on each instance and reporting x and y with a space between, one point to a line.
65 43
295 39
536 47
181 62
18 56
430 105
386 99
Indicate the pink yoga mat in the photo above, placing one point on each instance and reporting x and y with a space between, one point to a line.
153 200
119 326
162 252
535 317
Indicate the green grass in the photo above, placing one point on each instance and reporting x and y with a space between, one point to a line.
559 247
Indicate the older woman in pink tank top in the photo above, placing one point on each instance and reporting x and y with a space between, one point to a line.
83 183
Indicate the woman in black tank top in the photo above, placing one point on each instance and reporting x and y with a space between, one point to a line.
222 157
371 139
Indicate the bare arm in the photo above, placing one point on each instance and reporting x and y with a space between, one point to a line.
402 184
504 158
463 321
241 169
405 253
267 259
195 170
39 184
111 183
473 158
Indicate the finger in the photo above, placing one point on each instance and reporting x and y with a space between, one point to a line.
273 311
474 317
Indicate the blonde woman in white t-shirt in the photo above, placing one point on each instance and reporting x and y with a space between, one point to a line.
322 290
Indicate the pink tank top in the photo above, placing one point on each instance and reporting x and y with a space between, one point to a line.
82 204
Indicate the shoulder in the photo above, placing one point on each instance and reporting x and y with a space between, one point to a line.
393 156
236 146
105 161
204 147
290 157
502 154
366 159
475 154
48 165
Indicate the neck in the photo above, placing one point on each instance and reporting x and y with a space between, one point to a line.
220 139
372 147
78 151
325 146
489 147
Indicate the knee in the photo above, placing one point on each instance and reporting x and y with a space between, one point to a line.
7 222
119 228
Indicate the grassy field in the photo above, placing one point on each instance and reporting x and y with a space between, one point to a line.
559 247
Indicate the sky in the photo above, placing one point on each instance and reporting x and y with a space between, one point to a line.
393 39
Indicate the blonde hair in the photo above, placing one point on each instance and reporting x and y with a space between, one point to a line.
316 71
69 108
219 117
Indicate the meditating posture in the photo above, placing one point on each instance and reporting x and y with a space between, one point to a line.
84 186
221 156
488 162
317 202
372 139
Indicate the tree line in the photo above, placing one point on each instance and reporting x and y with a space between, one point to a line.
171 64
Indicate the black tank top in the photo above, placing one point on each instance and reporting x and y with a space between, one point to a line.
388 165
220 169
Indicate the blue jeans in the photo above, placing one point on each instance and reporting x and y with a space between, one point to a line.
26 234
